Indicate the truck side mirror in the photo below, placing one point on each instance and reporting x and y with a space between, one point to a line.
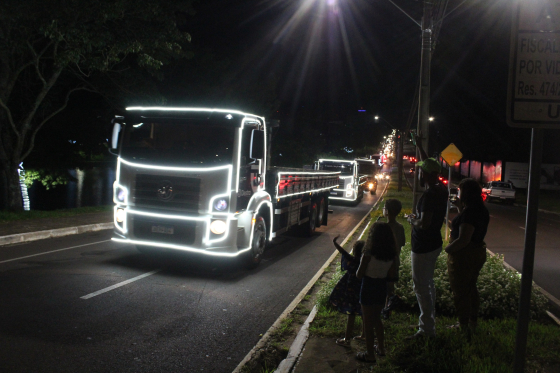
115 138
257 144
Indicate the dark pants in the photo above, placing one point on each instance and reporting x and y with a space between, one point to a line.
464 267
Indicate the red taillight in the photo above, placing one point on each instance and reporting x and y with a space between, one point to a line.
445 181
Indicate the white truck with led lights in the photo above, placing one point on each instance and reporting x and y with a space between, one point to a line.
368 168
197 180
351 184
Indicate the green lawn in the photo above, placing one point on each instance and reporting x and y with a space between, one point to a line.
6 216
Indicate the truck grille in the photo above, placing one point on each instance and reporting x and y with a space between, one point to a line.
181 232
170 192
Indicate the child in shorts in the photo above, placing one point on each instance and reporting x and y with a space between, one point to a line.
378 263
391 210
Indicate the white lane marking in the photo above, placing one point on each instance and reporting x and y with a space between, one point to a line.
91 295
53 251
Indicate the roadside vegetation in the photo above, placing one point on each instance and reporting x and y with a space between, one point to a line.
491 348
7 216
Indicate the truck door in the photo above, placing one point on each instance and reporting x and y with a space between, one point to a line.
249 170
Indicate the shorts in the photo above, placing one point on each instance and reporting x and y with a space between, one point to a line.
373 291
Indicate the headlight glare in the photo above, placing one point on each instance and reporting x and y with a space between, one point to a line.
218 227
220 204
120 215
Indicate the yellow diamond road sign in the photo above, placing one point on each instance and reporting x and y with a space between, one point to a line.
451 154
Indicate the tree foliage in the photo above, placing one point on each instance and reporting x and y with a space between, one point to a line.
51 49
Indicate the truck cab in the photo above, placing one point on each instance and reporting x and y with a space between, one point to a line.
195 180
351 184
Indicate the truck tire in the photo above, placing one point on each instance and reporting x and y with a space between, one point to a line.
320 212
309 227
253 257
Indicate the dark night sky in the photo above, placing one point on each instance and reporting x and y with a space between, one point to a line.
333 60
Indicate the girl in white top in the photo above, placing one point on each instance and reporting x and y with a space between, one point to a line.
377 263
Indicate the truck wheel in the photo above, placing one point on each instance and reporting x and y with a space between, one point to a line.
254 255
309 228
320 213
372 192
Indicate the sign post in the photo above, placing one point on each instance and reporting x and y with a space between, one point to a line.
533 102
450 155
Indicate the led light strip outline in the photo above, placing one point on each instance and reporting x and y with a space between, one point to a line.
255 212
185 169
304 173
179 247
208 220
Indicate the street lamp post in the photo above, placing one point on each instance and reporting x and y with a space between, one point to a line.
399 147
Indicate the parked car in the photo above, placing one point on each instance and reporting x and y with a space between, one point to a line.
499 190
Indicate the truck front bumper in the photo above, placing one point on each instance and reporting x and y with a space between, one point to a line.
177 232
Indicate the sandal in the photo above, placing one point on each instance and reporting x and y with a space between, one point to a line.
363 356
343 342
379 351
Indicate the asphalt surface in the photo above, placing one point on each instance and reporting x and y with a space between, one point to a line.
506 235
66 306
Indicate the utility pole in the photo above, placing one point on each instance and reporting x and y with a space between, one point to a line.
400 135
424 94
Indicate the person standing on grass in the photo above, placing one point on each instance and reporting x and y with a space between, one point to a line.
346 294
391 210
467 252
378 263
426 241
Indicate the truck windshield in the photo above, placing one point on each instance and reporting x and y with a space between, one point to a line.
345 169
179 142
366 168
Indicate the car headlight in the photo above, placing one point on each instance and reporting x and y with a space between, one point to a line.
220 204
218 227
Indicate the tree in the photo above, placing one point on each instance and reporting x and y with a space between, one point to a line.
50 49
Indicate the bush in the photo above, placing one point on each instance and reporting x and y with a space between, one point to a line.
498 287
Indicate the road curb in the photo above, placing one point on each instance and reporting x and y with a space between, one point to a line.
299 343
52 233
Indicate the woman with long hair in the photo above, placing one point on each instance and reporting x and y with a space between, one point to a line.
467 252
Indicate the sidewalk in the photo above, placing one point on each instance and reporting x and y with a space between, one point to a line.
38 229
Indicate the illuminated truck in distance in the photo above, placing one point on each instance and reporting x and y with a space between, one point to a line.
369 169
351 184
197 180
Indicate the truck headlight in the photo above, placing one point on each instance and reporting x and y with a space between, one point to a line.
220 204
120 215
218 227
370 185
120 194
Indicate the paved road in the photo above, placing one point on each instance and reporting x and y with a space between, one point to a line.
506 235
176 316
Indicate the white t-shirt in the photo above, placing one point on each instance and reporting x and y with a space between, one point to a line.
377 268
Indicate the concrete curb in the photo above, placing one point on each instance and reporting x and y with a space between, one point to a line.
52 233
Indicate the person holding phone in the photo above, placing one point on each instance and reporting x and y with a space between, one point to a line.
426 241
